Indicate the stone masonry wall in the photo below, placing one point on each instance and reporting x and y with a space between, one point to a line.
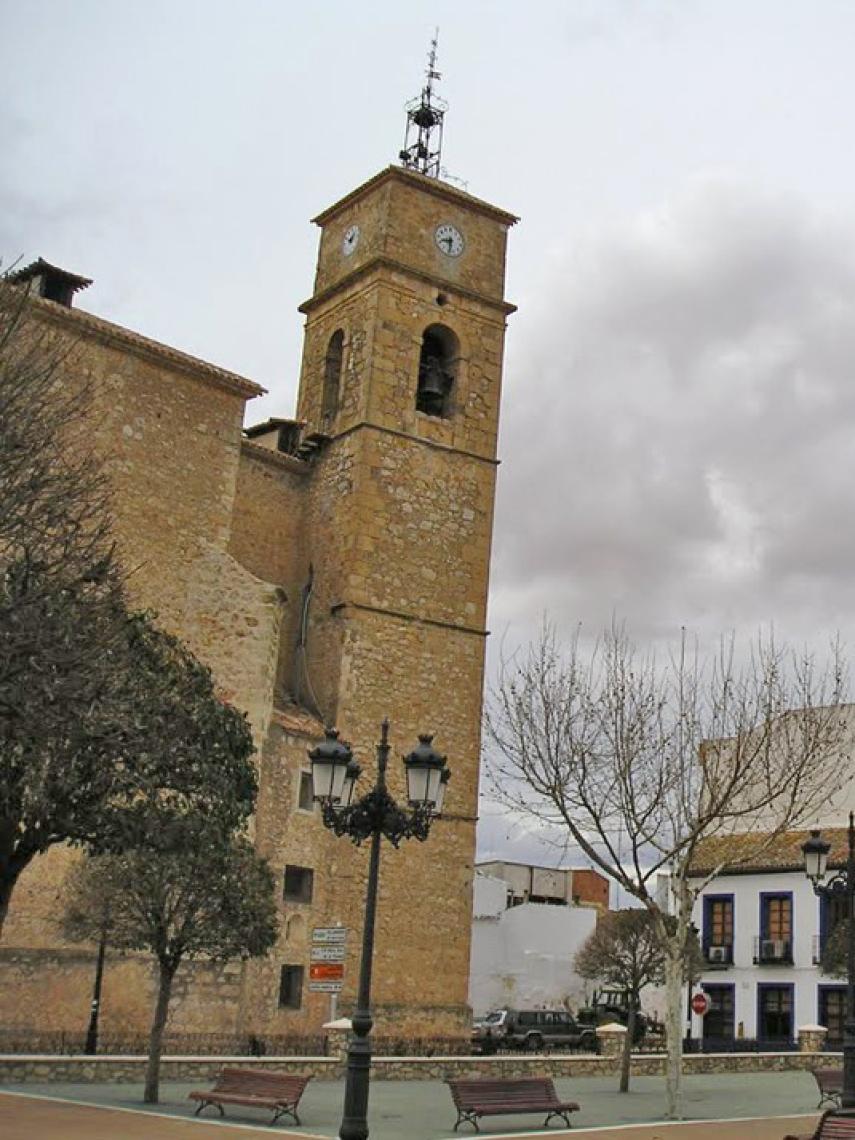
16 1069
395 517
58 983
169 431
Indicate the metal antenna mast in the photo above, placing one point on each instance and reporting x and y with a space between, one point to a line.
423 138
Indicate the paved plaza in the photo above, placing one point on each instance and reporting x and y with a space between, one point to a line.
749 1106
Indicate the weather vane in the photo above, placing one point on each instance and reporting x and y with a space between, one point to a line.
423 138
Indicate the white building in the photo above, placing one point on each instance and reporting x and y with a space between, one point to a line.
523 951
762 931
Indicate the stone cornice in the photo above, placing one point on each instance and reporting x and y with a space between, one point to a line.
436 444
434 186
383 262
402 615
116 336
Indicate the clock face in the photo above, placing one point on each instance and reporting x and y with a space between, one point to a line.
350 240
449 239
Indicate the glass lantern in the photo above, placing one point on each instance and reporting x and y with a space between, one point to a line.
424 767
330 760
815 851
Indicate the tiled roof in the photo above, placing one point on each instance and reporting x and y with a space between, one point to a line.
270 425
299 721
40 266
738 855
280 458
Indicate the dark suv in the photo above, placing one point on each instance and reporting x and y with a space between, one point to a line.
532 1029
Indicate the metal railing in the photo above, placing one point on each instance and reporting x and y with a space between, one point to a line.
738 1045
182 1044
718 955
224 1044
773 951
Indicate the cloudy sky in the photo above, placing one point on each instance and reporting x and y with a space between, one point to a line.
680 381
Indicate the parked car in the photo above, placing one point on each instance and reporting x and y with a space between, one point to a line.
532 1029
601 1014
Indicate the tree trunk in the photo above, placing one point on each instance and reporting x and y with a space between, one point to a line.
11 868
7 885
674 1031
626 1059
155 1041
95 1010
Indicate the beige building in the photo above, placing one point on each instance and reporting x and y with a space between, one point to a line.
557 886
331 569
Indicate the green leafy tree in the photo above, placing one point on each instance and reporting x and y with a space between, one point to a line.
835 951
200 896
625 951
156 747
109 727
62 611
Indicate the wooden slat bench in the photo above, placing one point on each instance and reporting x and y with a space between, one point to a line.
830 1085
499 1096
256 1088
834 1124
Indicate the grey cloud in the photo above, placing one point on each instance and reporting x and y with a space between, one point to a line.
677 436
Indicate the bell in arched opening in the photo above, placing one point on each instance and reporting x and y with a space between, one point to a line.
437 370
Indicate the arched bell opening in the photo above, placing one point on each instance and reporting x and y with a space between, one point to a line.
437 371
332 377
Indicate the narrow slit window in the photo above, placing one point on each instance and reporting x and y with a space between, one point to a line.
291 987
332 376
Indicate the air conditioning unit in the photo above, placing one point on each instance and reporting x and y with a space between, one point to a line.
781 948
767 949
717 953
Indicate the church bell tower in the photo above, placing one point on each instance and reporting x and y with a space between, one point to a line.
400 389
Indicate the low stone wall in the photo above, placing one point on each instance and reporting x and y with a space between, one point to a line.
85 1070
47 1069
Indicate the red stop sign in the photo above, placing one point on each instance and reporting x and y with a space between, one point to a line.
700 1004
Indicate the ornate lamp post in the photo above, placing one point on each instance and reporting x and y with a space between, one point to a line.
840 886
376 814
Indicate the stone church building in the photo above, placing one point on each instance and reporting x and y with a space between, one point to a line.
331 569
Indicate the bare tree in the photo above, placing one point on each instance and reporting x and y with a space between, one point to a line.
636 760
625 950
54 496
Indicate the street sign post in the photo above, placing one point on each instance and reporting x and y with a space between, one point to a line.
329 934
326 971
328 953
700 1004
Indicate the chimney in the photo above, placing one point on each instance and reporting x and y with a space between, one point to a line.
49 281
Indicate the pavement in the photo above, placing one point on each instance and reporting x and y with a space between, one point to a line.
726 1106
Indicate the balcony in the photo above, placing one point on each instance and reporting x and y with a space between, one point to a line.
773 952
718 957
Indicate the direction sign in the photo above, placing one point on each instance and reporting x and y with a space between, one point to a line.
328 953
325 987
700 1004
326 971
329 934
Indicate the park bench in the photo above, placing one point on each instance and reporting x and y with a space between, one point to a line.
834 1124
256 1088
830 1085
499 1096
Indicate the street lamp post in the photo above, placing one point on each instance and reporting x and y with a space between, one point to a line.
840 886
375 815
